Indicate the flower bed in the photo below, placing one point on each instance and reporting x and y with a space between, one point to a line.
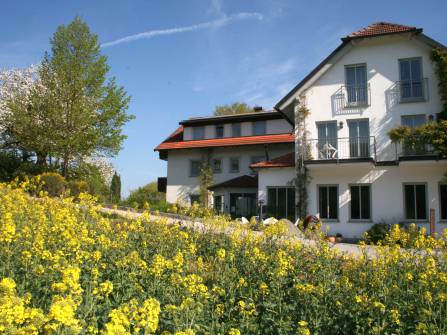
66 269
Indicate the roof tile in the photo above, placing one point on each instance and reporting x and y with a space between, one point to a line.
381 28
287 160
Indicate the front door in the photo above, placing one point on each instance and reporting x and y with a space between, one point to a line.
358 138
243 204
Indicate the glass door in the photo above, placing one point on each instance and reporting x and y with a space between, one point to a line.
356 84
358 138
327 140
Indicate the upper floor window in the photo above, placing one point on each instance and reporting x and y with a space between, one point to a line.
259 128
234 164
411 83
194 168
198 133
236 129
217 165
219 131
356 84
410 148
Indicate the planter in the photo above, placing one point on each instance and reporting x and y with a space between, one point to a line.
331 239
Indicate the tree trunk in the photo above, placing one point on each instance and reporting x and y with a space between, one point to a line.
65 166
41 159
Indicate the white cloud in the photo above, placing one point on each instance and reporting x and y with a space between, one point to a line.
196 27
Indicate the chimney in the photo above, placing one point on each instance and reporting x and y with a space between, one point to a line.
257 108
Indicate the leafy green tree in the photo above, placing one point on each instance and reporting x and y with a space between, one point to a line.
206 180
115 188
234 108
74 112
147 196
439 57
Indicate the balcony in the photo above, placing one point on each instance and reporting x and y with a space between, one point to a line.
347 149
412 90
347 97
415 151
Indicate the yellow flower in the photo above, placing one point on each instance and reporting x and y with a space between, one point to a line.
234 331
221 254
63 310
7 286
395 315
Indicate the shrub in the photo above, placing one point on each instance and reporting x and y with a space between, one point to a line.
77 187
377 233
53 183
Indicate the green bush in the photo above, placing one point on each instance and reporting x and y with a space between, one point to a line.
77 187
53 183
147 197
377 233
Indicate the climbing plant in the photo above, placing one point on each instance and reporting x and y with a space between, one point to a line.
439 58
302 174
206 180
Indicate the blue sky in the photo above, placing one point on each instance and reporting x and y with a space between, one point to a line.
179 59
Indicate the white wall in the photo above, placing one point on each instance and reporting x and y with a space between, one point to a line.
180 185
386 188
381 57
279 126
272 177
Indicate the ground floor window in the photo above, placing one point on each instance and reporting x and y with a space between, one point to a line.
328 202
443 201
218 204
415 201
243 204
194 198
360 202
281 202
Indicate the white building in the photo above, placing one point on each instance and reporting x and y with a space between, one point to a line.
378 78
229 144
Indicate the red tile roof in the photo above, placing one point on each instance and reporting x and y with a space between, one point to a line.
381 28
226 142
287 160
241 181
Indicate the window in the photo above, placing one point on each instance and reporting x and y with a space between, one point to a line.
327 140
360 202
259 128
194 198
356 84
257 159
415 201
217 165
219 131
410 71
328 202
358 138
234 164
281 202
236 130
443 201
218 204
198 133
194 168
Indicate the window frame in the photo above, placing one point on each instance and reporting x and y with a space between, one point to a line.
191 161
238 165
357 101
216 132
194 129
360 203
254 123
239 125
338 202
440 203
212 165
412 99
288 189
405 203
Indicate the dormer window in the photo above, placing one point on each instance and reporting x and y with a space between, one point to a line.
219 131
236 130
259 128
198 133
356 84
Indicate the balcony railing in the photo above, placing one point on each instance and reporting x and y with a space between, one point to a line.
405 150
412 90
361 148
352 97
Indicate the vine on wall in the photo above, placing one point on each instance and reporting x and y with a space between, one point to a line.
439 57
301 154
